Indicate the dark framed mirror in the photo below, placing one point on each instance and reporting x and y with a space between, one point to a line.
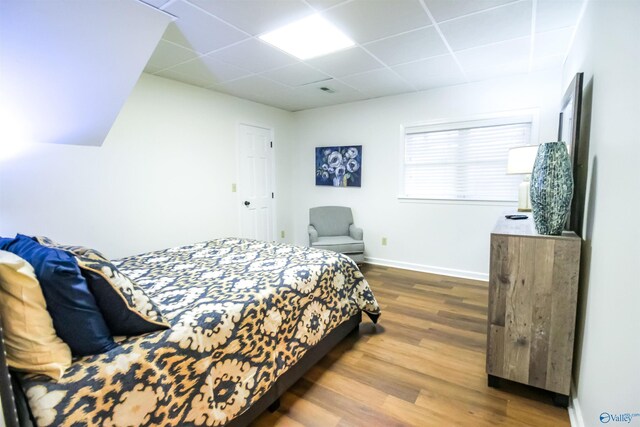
569 132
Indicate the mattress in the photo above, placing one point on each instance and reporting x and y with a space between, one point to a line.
242 312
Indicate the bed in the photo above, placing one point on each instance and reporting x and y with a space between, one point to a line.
247 318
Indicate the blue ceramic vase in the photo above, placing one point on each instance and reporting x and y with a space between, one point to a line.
551 188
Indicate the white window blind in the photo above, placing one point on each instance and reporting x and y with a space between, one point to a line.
463 161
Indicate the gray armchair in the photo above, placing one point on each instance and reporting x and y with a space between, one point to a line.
332 228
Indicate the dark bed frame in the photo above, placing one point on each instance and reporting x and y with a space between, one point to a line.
17 414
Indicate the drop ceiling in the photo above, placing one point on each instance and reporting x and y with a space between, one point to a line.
401 46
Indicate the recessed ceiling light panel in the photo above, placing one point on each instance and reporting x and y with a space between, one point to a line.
307 38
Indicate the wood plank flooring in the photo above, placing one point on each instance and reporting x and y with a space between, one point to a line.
422 365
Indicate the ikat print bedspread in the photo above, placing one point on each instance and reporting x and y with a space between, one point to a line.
241 313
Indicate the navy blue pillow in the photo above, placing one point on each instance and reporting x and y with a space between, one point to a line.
4 242
76 317
126 308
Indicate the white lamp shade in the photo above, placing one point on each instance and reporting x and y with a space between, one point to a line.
521 159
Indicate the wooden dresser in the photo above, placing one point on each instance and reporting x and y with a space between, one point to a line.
533 290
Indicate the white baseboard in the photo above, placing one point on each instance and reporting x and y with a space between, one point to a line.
428 268
575 411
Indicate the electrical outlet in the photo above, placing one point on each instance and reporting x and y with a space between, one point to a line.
282 234
384 241
233 187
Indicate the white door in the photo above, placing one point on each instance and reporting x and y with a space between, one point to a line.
255 183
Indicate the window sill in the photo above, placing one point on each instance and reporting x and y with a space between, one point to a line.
405 199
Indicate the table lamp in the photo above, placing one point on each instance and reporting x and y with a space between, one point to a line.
520 162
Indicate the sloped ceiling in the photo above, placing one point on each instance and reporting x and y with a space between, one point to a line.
67 67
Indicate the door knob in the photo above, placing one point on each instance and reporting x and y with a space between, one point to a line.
247 203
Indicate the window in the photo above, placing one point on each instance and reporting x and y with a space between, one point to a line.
463 160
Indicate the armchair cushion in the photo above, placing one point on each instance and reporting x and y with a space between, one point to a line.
342 244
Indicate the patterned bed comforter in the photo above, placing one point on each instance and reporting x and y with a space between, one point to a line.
241 313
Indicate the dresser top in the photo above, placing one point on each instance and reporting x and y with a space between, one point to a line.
525 227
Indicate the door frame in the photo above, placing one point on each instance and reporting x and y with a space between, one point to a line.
272 177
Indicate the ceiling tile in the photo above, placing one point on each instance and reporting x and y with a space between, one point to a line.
323 4
300 98
503 23
553 14
296 75
552 42
495 55
491 71
432 72
197 30
441 80
205 70
185 78
542 63
443 10
253 85
345 62
496 60
366 20
254 55
314 95
168 54
377 83
156 3
291 101
256 16
256 89
407 47
151 69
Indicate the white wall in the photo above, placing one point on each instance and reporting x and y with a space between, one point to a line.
162 177
606 371
449 238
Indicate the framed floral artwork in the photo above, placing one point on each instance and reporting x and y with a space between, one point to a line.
339 166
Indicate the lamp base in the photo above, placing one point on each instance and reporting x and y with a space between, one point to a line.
524 200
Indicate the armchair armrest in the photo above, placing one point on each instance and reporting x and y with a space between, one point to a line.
355 232
313 234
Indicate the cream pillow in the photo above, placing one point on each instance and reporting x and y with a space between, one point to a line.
31 342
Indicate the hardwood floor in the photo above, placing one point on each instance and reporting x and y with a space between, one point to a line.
422 365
